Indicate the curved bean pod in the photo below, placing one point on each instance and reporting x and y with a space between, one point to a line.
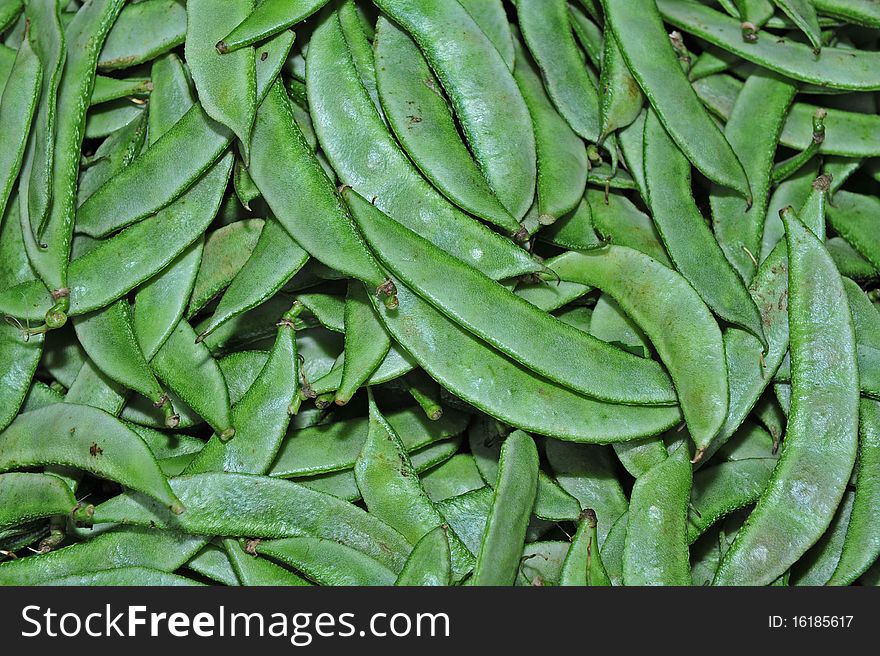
862 543
149 185
258 571
261 416
838 68
84 36
226 84
32 496
129 44
548 35
403 252
655 550
126 547
119 264
188 369
275 260
327 562
621 98
392 491
491 16
502 141
821 442
562 156
642 38
366 342
512 502
753 132
430 561
264 511
18 102
699 373
583 564
688 240
396 185
322 226
422 120
89 439
270 18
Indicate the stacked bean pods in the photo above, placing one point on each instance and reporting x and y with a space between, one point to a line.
432 292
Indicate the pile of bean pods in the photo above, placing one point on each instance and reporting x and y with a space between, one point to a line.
432 292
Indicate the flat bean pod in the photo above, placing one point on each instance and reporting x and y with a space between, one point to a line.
396 185
88 439
502 142
838 68
610 368
654 64
629 277
820 444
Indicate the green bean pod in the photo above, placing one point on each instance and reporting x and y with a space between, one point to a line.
821 442
512 502
655 551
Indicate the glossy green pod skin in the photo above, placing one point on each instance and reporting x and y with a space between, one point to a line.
838 68
46 34
275 259
189 370
392 491
512 502
853 216
148 185
552 502
227 250
270 18
655 551
396 187
511 393
699 372
562 156
429 563
422 120
503 143
262 415
861 12
366 342
88 439
548 35
753 131
452 292
723 488
323 227
115 153
268 501
822 437
126 547
621 98
226 84
336 446
129 44
688 240
18 102
21 357
491 16
862 542
583 563
84 37
31 496
328 562
108 337
252 570
118 265
110 88
642 39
